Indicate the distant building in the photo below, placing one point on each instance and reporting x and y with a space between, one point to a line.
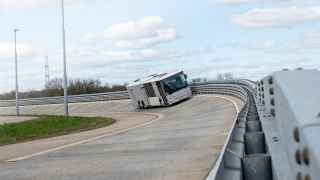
199 80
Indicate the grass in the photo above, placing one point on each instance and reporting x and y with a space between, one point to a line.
49 126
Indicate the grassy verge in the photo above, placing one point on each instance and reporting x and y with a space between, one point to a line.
49 126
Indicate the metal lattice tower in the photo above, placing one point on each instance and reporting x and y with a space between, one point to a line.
46 70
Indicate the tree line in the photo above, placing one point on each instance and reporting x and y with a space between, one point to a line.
75 87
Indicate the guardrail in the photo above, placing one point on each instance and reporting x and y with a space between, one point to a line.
119 95
276 135
244 155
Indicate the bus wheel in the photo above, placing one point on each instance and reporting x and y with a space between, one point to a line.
139 105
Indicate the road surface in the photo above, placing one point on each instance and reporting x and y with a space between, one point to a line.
183 144
13 119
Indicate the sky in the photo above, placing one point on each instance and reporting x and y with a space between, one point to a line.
118 41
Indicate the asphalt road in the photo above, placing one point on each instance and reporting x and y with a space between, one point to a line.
184 144
13 119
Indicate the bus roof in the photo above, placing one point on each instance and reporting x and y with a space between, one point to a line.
153 78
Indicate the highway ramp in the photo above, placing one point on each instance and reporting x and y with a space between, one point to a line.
183 144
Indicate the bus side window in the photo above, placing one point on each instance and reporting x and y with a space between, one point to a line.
149 90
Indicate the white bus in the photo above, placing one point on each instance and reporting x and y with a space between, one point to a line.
159 90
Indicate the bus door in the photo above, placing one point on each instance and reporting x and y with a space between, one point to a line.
162 93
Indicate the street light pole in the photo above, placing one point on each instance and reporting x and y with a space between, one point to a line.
16 71
65 77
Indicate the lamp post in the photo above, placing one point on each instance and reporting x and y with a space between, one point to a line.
65 77
16 71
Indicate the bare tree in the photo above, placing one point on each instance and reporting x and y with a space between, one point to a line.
75 87
54 84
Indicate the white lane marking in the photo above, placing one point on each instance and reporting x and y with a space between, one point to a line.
159 116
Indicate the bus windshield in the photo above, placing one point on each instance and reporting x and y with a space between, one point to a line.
175 83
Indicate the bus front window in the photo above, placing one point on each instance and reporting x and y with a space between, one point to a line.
175 83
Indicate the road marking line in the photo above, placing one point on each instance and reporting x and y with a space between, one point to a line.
159 116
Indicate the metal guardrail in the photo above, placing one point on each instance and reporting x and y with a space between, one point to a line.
119 95
244 155
276 135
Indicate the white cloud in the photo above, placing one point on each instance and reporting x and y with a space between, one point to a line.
98 56
101 56
7 50
132 55
307 44
275 17
144 33
26 4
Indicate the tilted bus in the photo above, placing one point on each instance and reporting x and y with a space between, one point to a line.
159 90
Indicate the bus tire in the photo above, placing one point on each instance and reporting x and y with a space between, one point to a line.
139 105
142 105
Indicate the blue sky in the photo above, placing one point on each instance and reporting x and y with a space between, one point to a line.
118 41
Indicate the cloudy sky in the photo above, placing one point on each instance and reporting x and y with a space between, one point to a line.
118 41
